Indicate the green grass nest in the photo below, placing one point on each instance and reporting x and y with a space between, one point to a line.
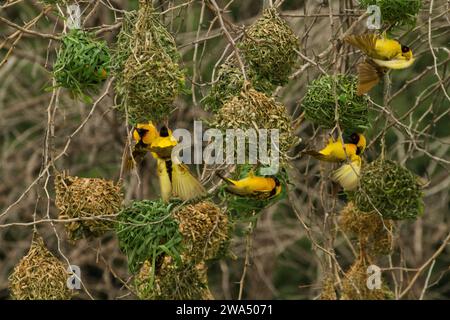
396 12
229 84
147 231
82 63
255 110
186 281
151 76
319 103
39 275
246 208
390 189
269 47
94 201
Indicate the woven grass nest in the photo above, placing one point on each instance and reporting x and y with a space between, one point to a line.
229 84
255 110
173 281
94 201
205 230
390 189
82 63
269 47
328 289
39 275
147 57
320 106
354 284
396 12
147 230
374 234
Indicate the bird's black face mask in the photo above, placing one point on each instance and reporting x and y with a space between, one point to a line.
354 138
164 132
141 132
405 49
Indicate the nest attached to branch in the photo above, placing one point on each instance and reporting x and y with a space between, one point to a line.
354 284
173 281
389 189
39 275
255 110
375 234
205 230
147 230
320 106
152 77
229 84
95 202
269 47
82 63
328 289
396 12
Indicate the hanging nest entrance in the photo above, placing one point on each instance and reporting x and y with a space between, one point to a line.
151 78
270 47
319 103
39 275
374 233
205 230
82 64
255 110
173 281
95 202
390 189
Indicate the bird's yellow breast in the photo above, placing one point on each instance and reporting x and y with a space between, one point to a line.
388 49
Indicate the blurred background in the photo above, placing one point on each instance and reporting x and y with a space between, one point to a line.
288 256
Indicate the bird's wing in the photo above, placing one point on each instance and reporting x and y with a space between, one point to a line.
365 42
322 157
165 185
184 184
368 77
348 175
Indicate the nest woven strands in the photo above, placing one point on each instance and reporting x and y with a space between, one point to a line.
152 77
269 47
39 275
205 229
95 202
173 281
255 110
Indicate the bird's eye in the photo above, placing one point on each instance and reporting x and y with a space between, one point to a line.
164 132
141 132
405 49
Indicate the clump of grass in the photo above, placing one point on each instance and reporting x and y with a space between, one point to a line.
39 275
269 47
229 84
374 234
82 64
205 229
147 231
396 12
255 110
186 281
95 202
389 189
319 103
151 76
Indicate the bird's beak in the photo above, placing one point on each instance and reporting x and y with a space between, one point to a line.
408 55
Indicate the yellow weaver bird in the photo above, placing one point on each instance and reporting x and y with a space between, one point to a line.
175 179
337 151
252 186
348 174
383 54
144 134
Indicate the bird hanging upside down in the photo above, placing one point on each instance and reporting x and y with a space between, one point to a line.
175 179
252 186
382 54
348 174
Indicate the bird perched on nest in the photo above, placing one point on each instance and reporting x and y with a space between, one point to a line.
382 54
338 151
175 179
348 174
252 186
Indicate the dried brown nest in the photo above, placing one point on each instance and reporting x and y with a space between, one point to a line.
39 275
354 285
328 289
205 230
374 233
172 281
270 46
255 110
95 202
